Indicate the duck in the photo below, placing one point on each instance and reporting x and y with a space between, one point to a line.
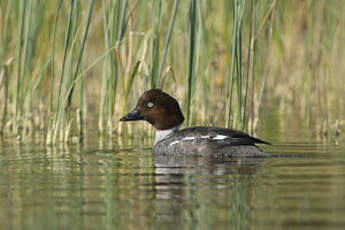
163 112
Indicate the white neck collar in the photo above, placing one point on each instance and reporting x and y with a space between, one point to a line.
161 134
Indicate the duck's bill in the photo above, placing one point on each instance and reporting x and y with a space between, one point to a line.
134 115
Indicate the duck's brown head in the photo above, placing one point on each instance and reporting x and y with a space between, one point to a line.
158 108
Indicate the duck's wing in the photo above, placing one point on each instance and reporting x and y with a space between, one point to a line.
220 135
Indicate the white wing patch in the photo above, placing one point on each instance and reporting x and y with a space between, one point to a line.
174 142
220 137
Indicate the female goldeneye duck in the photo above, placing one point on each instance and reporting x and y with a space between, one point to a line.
164 113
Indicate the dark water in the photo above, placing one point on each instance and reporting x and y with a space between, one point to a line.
109 185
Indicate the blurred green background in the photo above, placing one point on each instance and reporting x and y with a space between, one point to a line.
70 65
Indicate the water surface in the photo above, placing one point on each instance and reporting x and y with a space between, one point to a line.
108 185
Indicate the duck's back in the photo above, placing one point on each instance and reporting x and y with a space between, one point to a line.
209 142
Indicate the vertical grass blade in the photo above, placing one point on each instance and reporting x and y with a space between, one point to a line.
249 53
203 55
103 104
52 72
4 77
191 66
25 75
81 52
52 76
59 115
236 60
155 24
5 36
122 21
115 25
21 17
167 39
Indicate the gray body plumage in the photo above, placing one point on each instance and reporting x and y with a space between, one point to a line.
209 142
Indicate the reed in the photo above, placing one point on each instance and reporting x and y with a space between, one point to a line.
248 67
4 83
167 39
155 46
192 63
115 20
158 60
76 72
202 47
19 51
223 63
7 30
70 69
59 114
52 75
236 62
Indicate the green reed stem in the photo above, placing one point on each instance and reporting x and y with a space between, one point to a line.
4 112
203 54
156 19
25 56
118 29
62 81
250 47
122 21
103 107
239 77
21 17
131 79
231 80
77 70
5 38
236 58
167 39
81 52
192 25
111 63
115 24
52 72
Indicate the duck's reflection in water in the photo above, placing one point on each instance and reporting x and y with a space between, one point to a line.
182 165
192 187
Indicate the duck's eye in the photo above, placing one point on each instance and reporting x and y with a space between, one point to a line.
150 104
